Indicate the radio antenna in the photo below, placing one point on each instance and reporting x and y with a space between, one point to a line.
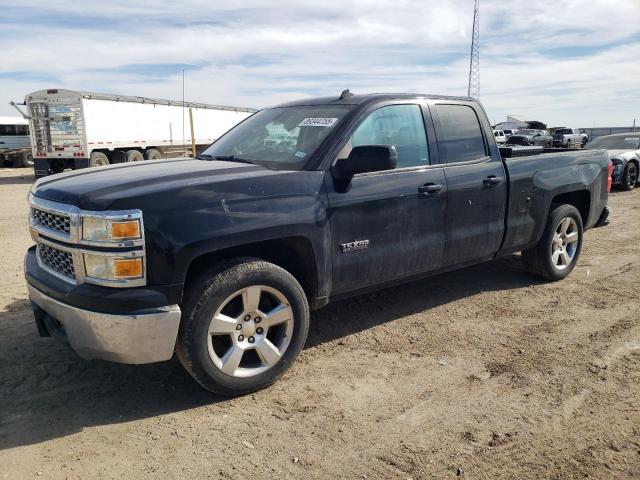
473 90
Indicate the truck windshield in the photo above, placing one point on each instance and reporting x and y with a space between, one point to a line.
282 138
623 142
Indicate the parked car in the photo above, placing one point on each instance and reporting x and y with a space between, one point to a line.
500 137
624 152
531 137
221 257
567 137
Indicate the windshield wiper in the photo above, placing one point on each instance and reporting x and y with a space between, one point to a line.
231 158
203 156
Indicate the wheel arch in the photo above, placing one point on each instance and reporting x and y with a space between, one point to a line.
294 254
581 199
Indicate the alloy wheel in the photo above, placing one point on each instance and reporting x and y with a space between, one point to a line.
565 243
250 331
632 176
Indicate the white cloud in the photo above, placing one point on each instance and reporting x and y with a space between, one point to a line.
561 61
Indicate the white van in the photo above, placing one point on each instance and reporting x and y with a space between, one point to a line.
501 138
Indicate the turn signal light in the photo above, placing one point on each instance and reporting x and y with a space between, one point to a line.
127 268
128 229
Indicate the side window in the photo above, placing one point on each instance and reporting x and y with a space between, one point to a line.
8 130
22 129
459 133
398 125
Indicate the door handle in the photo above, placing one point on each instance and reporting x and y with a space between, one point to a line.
492 180
431 188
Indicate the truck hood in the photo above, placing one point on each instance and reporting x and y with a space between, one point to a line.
98 188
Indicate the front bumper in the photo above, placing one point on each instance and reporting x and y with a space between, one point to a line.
137 337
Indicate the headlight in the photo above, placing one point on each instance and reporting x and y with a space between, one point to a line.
101 229
114 268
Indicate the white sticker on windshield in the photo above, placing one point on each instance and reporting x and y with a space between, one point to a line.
318 122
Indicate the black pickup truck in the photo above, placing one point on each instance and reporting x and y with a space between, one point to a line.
220 258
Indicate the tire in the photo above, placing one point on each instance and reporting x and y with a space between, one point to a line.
630 176
225 292
546 258
27 160
98 159
152 154
133 156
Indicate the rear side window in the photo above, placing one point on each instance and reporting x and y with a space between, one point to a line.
459 133
398 125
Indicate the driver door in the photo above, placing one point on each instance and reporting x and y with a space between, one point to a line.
388 225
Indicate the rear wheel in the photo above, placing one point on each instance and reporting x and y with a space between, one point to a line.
152 154
27 159
630 176
243 325
558 250
133 156
98 159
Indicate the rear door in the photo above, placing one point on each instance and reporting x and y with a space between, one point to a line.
389 225
476 183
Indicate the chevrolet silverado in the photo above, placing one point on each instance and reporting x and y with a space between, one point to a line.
220 258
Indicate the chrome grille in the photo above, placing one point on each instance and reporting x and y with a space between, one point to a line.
53 221
57 260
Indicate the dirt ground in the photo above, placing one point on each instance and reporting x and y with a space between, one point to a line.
482 373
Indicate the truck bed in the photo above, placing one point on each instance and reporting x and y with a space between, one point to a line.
537 179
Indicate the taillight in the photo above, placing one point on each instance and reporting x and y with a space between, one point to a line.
610 179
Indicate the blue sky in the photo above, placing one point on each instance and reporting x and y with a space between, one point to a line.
564 62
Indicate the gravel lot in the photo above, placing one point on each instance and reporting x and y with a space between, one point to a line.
481 373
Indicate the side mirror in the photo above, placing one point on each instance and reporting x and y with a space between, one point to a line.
366 158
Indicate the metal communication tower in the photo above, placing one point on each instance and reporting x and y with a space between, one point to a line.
474 60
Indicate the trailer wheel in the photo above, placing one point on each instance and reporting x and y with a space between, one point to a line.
27 160
133 156
152 154
98 159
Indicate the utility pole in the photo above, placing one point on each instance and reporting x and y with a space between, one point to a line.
473 90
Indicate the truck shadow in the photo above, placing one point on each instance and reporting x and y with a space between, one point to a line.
369 310
26 179
47 392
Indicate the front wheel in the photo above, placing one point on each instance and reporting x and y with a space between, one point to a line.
630 176
243 325
557 252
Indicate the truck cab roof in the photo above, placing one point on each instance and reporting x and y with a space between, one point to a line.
357 99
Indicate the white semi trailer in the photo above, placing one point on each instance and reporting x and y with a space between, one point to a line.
73 129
